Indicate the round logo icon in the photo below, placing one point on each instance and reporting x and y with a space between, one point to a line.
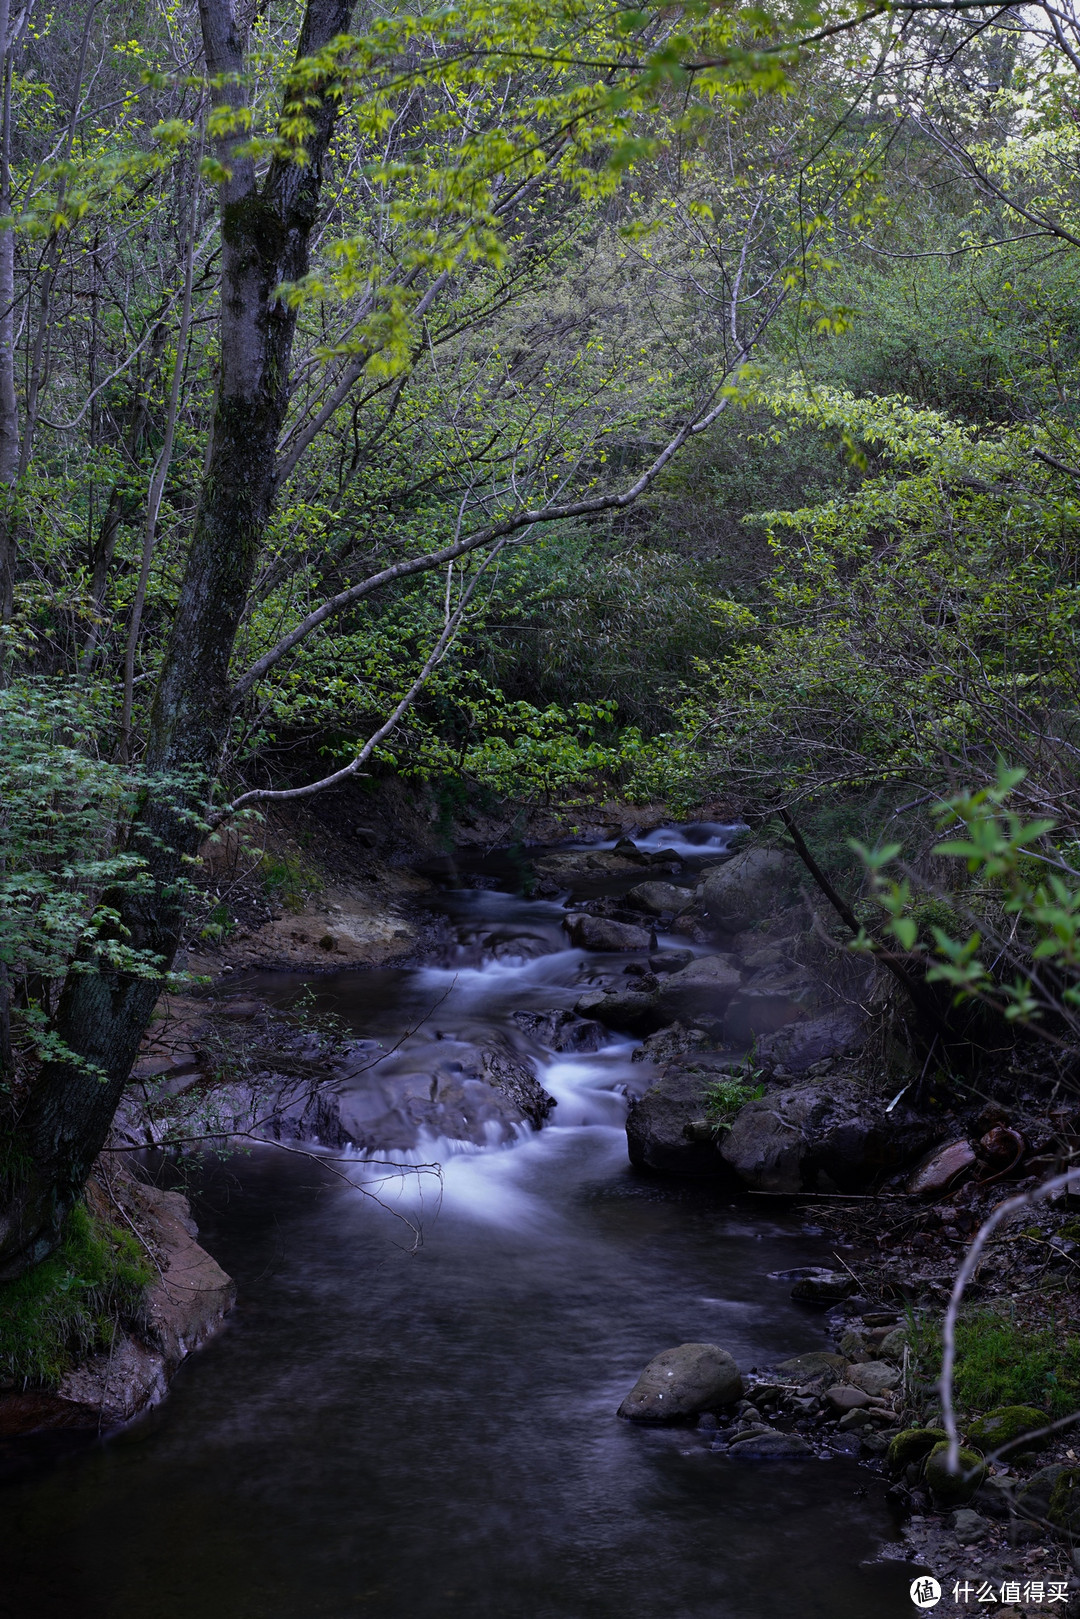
925 1592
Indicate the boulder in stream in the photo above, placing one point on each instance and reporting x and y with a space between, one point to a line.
603 933
659 899
666 1129
683 1382
809 1138
635 1011
704 988
453 1088
751 885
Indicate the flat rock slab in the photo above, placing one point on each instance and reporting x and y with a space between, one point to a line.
942 1168
874 1377
683 1382
659 899
843 1397
805 1368
602 933
823 1287
761 1447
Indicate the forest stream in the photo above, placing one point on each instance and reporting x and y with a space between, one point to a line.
412 1434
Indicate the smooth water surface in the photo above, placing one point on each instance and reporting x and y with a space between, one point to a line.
432 1433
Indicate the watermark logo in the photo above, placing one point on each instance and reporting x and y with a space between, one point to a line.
925 1592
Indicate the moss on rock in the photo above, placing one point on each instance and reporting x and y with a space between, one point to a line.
1064 1508
911 1446
953 1489
1005 1425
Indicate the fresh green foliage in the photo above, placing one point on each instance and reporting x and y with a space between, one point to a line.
72 1303
63 812
725 1097
1021 896
289 881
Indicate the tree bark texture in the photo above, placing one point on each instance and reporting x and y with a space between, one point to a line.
266 231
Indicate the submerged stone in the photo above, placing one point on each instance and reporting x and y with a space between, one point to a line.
762 1447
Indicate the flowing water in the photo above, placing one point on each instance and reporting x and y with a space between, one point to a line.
431 1434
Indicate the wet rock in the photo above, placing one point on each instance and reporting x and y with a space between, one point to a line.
751 885
632 1010
770 1447
798 1046
601 933
953 1489
560 1030
465 1092
807 1137
681 1383
1006 1425
873 1442
659 899
811 1366
626 849
941 1168
670 961
660 1127
874 1377
112 1388
859 1418
823 1287
842 1397
703 988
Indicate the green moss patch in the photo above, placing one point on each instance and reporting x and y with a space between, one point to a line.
1001 1363
1006 1425
953 1489
71 1304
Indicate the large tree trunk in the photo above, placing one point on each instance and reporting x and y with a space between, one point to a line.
9 410
266 231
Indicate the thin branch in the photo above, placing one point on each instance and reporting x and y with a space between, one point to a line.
1069 1181
439 651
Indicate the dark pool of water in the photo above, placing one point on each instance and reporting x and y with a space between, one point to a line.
431 1435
